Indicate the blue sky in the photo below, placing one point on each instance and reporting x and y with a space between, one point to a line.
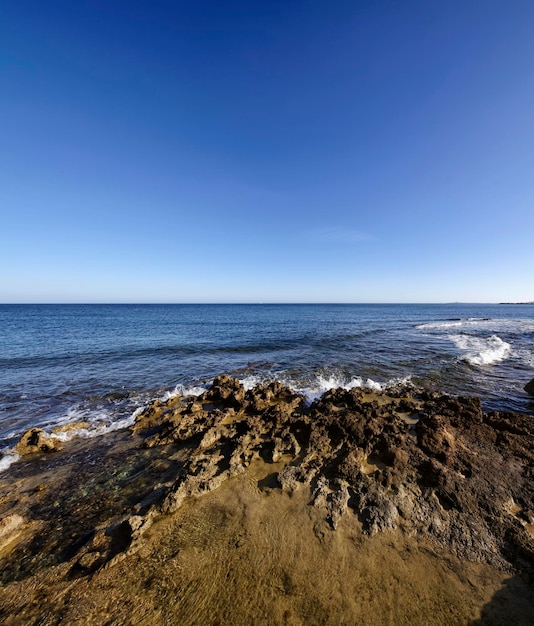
266 151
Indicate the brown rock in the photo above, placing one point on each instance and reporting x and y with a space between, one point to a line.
430 464
36 440
226 391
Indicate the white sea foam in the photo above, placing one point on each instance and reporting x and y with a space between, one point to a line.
525 357
104 428
102 422
97 429
520 326
183 390
314 389
7 459
249 382
472 321
480 350
324 384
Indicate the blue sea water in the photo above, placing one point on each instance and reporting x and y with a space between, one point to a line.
99 363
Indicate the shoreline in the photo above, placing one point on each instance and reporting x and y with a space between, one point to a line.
405 470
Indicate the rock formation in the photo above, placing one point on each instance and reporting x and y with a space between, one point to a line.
420 461
36 440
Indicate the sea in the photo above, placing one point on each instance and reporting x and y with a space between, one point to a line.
103 363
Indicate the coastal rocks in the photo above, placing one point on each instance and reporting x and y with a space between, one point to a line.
37 440
269 487
529 387
422 462
151 416
226 391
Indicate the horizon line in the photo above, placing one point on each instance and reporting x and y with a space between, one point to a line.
257 303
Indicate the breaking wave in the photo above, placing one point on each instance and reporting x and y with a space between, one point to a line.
472 321
487 324
101 424
481 351
183 390
313 389
7 459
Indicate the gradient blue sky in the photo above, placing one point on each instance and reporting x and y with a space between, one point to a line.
286 151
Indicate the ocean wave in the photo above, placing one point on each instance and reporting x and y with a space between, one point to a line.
480 350
524 356
488 324
184 390
313 389
97 429
7 459
323 384
99 424
128 352
471 321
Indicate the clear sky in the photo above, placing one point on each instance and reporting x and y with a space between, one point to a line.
282 151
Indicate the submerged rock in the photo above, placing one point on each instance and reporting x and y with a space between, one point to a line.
67 431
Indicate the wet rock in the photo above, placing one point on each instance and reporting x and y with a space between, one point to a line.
151 416
69 429
529 387
109 545
36 440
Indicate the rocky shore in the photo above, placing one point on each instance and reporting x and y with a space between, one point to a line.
235 506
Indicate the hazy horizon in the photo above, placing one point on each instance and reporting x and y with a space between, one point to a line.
267 302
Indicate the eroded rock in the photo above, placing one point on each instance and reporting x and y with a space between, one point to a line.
420 461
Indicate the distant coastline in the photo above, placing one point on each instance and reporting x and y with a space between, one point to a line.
509 303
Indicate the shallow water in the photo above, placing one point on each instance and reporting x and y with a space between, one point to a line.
64 363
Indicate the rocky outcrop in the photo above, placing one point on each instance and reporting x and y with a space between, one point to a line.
421 462
529 387
36 440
